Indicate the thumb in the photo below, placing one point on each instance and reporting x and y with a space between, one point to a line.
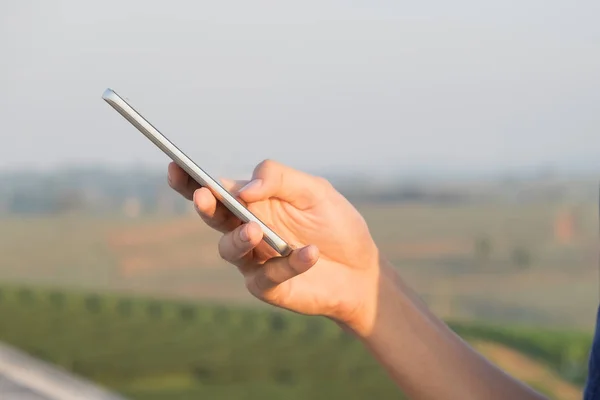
279 270
271 179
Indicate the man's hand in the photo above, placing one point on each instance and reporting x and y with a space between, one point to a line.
336 272
333 272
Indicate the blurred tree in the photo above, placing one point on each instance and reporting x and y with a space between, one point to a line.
277 322
25 296
93 303
572 363
187 312
221 315
68 201
124 307
483 250
521 257
283 376
202 373
57 299
155 309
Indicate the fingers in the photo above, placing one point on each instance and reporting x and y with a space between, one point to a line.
181 181
271 179
280 269
236 245
213 212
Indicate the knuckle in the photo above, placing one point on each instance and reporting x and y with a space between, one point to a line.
324 183
266 165
262 288
250 287
295 268
231 248
270 274
253 284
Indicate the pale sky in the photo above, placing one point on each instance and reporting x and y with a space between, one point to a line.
384 85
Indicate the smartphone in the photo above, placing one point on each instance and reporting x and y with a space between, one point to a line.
197 173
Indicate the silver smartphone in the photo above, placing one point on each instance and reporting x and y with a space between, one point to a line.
197 173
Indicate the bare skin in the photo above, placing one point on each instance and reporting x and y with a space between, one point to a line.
337 271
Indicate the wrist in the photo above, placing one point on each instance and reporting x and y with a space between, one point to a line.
382 285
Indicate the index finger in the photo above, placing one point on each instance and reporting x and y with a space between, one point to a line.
181 182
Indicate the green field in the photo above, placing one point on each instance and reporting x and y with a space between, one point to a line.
437 250
149 349
179 323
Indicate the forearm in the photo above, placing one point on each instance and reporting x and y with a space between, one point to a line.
425 357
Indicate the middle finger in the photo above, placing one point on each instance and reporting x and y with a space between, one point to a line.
236 246
213 212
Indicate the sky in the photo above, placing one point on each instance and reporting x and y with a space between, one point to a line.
376 86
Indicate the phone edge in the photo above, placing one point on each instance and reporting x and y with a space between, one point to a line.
194 170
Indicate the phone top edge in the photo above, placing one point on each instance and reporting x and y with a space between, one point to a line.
109 94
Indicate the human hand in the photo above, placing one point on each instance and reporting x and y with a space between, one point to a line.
334 268
336 271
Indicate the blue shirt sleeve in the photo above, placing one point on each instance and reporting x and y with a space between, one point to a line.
592 386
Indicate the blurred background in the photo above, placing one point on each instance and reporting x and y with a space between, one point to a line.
465 132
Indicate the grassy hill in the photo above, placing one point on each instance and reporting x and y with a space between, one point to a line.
151 349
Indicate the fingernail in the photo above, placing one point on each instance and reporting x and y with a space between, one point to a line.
169 179
244 234
252 185
307 254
